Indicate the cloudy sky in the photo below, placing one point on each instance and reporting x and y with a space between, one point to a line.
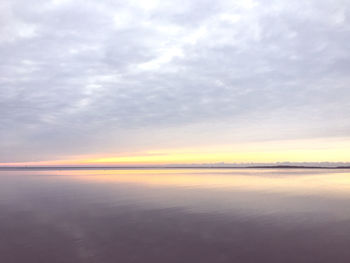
174 81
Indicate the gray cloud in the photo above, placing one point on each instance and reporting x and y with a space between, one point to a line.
81 77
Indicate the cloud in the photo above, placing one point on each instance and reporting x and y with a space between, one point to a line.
79 77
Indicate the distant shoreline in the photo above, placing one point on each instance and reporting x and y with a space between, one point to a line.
4 168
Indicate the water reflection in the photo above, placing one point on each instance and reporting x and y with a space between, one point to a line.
282 181
175 216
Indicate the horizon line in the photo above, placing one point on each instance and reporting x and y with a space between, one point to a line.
76 167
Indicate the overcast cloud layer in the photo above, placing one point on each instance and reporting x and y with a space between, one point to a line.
83 77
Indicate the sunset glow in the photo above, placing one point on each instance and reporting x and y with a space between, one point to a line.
269 152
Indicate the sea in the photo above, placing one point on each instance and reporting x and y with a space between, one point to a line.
174 215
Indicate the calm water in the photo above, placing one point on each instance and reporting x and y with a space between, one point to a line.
169 216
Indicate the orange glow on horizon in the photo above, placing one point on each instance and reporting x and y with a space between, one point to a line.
315 150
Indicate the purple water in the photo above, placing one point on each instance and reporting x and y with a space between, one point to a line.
201 215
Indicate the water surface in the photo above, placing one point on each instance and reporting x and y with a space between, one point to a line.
175 215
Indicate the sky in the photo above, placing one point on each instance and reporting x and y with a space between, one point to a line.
156 82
